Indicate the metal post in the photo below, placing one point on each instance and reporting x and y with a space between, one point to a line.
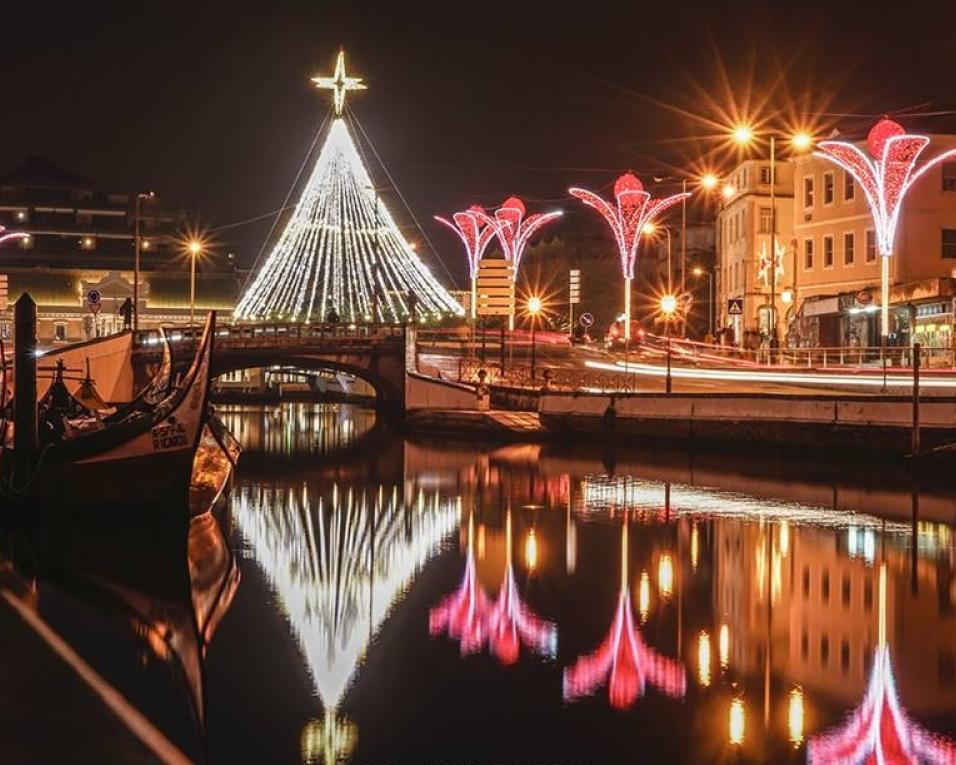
667 332
884 299
710 302
135 265
26 436
916 366
192 289
683 237
774 340
502 348
627 309
533 347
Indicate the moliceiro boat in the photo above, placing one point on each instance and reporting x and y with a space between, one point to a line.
140 452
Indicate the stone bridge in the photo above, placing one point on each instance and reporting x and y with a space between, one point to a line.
375 353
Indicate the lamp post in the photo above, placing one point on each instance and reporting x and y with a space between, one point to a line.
534 308
698 271
136 249
195 248
744 135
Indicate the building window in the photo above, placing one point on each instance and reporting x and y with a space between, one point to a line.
825 650
845 591
765 174
828 188
870 246
949 176
828 252
844 656
807 254
949 242
808 191
849 247
59 332
766 214
804 644
849 187
868 595
825 586
806 581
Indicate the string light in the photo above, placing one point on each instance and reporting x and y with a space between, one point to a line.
763 272
475 233
633 210
886 175
513 229
341 249
339 83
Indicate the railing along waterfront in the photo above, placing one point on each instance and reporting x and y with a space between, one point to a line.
255 335
547 378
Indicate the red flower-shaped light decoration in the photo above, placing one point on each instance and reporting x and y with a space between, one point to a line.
11 235
879 731
511 623
624 658
886 175
464 613
475 233
633 210
514 230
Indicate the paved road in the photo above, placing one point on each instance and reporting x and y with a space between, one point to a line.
648 369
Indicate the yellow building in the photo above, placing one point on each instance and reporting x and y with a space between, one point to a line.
837 285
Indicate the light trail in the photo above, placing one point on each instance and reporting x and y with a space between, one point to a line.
793 378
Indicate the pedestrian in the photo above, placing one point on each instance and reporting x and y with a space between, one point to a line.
126 311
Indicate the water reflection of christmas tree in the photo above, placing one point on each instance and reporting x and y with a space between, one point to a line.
337 567
624 659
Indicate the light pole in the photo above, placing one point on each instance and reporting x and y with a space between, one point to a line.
744 135
698 271
136 248
534 308
195 250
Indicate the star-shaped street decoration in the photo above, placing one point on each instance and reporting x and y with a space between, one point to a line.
339 83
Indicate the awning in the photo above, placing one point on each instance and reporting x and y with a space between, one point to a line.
821 307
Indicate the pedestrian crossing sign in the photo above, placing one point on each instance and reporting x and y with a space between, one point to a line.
735 306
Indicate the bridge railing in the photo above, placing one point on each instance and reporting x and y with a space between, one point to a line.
550 378
256 335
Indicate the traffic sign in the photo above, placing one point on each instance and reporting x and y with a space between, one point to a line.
495 287
586 320
574 286
94 300
735 306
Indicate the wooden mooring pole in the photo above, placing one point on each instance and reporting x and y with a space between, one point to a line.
26 436
916 365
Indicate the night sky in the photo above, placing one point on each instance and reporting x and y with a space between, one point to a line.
210 104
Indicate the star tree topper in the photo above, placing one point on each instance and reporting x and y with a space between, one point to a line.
339 83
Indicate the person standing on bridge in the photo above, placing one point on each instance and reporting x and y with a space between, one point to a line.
126 311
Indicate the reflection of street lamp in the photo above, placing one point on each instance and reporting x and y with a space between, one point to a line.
534 308
737 722
531 550
195 248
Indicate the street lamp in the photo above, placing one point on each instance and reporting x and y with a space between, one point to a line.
744 135
699 271
195 248
668 307
534 308
136 248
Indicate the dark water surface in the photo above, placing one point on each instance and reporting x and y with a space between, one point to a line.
419 601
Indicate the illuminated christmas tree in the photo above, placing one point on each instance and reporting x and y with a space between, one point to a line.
341 254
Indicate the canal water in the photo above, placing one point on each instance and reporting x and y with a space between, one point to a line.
418 601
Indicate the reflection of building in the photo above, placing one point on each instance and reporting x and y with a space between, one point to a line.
823 624
743 248
82 238
838 268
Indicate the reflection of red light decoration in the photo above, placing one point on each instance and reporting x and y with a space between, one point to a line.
627 219
474 231
513 229
879 730
469 616
624 657
463 613
11 235
511 623
628 660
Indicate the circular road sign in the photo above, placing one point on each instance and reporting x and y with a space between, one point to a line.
93 298
586 319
